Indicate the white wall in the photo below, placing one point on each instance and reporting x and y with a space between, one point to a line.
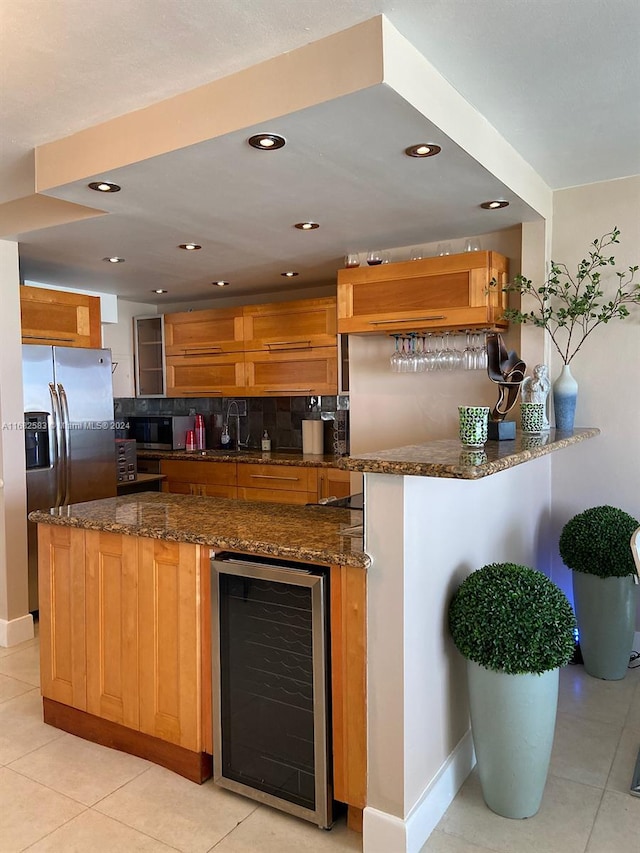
607 470
16 624
119 338
391 410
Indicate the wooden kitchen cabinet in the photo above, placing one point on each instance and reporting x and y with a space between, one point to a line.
121 638
290 484
290 326
193 333
448 292
333 483
292 373
112 627
203 351
200 374
58 318
214 480
170 642
61 595
349 688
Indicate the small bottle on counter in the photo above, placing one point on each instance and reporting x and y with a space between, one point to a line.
266 441
225 438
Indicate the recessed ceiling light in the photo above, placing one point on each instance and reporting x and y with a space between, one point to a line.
306 226
289 274
104 187
190 247
220 283
424 149
494 205
267 141
114 260
158 290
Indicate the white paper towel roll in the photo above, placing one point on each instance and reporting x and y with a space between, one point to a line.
312 437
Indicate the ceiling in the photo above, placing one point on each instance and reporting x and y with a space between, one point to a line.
559 80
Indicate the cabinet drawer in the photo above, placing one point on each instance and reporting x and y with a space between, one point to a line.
284 478
207 473
333 483
279 496
311 371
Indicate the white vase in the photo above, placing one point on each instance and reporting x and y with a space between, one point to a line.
565 394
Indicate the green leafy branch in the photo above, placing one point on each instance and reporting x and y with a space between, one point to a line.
569 307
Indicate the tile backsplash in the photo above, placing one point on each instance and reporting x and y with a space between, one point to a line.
281 416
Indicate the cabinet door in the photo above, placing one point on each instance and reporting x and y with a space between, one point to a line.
348 684
333 483
294 373
450 292
213 331
112 627
170 642
148 339
61 583
200 374
59 318
293 326
280 483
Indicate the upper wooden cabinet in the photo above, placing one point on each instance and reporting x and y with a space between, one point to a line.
449 292
290 326
280 348
193 334
58 318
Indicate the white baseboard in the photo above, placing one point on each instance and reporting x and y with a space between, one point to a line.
384 832
15 631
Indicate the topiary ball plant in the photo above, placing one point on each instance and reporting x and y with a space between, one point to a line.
597 542
512 619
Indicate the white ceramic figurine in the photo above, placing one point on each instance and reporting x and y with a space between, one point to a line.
535 389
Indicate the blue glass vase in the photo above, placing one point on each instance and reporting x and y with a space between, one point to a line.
565 394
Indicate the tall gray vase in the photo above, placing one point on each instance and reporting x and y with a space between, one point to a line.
605 612
513 722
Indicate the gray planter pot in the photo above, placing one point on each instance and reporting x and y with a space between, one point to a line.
605 612
513 721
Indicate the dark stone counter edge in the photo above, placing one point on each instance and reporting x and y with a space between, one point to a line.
248 546
418 468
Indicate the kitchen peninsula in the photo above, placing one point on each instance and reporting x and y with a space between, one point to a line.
125 615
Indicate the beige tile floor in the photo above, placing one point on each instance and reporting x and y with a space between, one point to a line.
61 793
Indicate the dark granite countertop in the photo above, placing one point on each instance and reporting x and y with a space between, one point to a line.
310 533
308 460
448 458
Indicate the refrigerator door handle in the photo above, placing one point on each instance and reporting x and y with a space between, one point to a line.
64 406
58 450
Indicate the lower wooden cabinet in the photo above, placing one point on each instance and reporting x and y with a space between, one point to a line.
214 480
280 483
333 483
121 630
61 578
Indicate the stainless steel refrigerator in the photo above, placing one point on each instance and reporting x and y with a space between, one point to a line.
69 433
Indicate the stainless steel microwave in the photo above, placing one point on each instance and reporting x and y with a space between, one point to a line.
160 432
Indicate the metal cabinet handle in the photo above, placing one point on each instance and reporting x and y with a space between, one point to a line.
47 338
289 345
288 390
194 353
412 320
272 477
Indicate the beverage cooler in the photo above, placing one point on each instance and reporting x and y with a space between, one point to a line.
270 683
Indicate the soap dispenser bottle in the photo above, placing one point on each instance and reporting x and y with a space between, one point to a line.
266 441
225 438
